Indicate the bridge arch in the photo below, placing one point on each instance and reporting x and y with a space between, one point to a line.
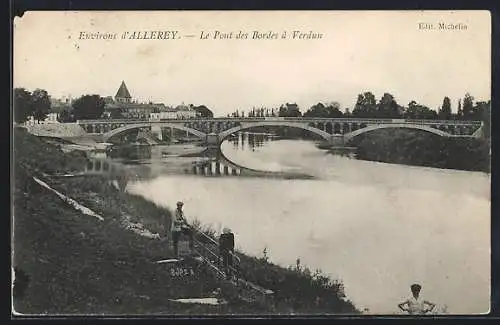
112 133
244 126
349 136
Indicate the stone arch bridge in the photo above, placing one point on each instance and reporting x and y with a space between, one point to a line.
335 131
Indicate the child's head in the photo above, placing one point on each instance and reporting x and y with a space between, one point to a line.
415 289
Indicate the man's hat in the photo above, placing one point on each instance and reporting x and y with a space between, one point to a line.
179 203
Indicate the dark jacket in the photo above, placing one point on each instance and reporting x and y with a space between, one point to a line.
226 242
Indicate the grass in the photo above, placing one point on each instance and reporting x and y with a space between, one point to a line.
76 264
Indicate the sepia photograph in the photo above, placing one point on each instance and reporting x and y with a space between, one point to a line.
251 163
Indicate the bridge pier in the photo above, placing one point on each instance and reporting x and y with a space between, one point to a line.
336 140
212 140
156 130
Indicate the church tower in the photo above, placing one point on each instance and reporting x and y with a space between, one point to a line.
123 95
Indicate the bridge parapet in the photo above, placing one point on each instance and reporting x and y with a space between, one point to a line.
324 127
297 119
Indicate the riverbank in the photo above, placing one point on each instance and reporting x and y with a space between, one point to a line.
77 264
424 149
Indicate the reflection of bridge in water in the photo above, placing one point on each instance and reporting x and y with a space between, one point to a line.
217 168
218 165
209 163
116 174
119 173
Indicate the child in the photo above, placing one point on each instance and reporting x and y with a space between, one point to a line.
416 305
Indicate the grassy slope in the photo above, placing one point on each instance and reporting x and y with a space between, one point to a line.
78 264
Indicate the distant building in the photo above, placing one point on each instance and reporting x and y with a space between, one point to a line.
123 95
123 106
185 112
166 113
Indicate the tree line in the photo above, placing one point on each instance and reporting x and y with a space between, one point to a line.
38 105
367 106
26 104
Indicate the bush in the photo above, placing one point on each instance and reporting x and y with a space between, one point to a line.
424 149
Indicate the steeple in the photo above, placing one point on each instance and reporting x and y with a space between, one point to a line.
123 95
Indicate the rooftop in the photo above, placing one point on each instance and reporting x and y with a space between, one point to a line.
123 91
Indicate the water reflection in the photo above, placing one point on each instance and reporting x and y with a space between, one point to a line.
129 152
252 140
139 161
112 171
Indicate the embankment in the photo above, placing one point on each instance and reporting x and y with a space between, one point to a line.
424 149
76 264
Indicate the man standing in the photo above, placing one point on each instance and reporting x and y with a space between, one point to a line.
226 249
179 227
415 305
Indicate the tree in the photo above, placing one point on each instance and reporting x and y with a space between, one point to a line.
366 105
485 111
66 117
445 110
318 110
289 110
417 111
41 104
468 106
347 112
116 113
460 112
388 107
479 110
88 107
482 112
204 111
333 110
23 105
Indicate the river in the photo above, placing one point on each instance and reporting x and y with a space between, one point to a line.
377 227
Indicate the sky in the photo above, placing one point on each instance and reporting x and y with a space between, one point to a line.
383 51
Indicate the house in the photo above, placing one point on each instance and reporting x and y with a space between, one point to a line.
185 112
165 114
122 106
